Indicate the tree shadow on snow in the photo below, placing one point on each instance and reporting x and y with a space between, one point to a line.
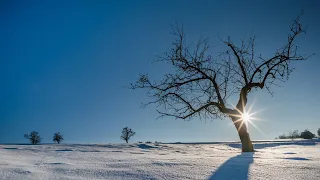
236 168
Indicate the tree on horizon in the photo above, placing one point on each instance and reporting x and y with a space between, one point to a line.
34 137
127 133
57 137
200 85
306 134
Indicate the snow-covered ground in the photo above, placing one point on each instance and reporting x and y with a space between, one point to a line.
273 160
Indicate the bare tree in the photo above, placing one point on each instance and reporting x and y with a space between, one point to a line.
294 134
127 133
319 132
34 137
200 85
57 137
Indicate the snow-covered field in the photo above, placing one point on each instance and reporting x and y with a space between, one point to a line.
273 160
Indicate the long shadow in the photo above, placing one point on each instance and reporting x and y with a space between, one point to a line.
236 168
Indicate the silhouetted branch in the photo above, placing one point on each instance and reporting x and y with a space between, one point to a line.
201 85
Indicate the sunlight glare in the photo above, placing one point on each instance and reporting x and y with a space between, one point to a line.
247 118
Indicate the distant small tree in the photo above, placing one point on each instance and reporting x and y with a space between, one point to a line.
294 134
319 132
34 137
306 134
283 136
127 133
57 137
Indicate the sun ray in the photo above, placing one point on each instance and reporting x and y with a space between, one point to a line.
256 119
255 126
240 125
256 112
237 120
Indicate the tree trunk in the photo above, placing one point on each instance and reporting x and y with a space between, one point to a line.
243 134
127 140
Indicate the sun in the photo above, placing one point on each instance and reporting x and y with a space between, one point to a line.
246 117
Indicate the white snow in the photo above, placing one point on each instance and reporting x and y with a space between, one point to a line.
273 160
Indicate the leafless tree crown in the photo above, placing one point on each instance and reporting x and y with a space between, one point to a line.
57 137
201 84
34 137
127 133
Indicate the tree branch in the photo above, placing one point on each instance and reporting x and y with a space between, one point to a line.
244 74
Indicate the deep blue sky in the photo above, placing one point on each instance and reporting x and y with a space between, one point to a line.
64 66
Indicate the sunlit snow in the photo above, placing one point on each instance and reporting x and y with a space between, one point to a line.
272 160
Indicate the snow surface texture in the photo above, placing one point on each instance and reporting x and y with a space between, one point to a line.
273 160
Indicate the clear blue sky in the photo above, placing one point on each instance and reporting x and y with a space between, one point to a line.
64 66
